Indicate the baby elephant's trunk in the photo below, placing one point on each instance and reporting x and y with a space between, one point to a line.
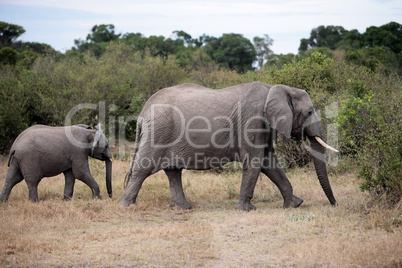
108 162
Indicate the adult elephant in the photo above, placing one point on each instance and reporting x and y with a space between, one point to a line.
192 127
43 151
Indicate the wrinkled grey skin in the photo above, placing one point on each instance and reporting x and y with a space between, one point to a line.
279 108
43 151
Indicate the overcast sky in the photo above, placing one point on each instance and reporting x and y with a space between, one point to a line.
59 22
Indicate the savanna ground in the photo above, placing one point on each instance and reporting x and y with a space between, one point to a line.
98 233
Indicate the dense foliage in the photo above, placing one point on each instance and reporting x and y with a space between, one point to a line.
377 45
356 91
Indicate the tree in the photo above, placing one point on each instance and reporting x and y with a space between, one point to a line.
233 51
40 48
388 35
102 33
96 42
132 39
304 44
262 47
351 40
164 46
323 37
326 36
377 46
9 33
83 46
159 45
187 39
203 40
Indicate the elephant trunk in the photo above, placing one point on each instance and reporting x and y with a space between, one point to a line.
109 176
321 169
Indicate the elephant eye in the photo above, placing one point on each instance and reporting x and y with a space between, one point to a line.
310 112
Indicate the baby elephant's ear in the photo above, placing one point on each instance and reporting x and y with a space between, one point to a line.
96 138
278 110
98 127
84 126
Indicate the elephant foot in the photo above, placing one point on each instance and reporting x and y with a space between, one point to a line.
293 203
125 203
3 199
68 196
246 206
183 205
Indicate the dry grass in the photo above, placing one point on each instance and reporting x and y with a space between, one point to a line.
97 233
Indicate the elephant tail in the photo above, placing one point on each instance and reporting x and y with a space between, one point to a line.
11 157
136 147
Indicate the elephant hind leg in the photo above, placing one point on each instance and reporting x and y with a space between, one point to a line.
69 185
33 189
13 177
249 180
32 175
177 197
134 185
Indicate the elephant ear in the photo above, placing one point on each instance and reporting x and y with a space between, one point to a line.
96 137
278 109
84 126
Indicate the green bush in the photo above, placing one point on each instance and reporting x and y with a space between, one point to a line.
202 70
13 100
324 51
8 55
375 57
121 80
27 58
370 124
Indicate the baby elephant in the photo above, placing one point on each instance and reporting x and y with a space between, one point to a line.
43 151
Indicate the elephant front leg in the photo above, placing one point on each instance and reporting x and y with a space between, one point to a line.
177 197
276 174
84 175
69 186
249 180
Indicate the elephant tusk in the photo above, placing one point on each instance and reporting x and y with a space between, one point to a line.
111 160
320 141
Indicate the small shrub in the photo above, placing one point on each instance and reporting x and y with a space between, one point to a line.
309 217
